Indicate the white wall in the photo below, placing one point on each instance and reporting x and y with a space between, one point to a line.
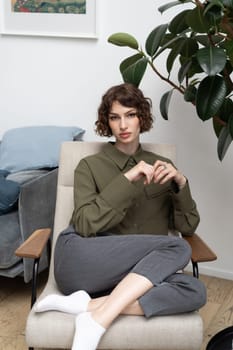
60 81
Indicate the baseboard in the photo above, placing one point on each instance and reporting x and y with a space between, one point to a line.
209 271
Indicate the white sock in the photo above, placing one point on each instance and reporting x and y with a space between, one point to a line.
73 304
87 332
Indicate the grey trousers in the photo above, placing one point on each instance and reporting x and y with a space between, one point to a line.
97 264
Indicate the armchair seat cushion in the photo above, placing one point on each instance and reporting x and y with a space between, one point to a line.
175 332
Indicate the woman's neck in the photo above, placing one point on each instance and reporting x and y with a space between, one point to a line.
129 148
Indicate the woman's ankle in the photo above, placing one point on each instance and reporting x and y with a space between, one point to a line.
95 303
103 316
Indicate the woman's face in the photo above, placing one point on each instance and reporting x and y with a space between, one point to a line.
124 123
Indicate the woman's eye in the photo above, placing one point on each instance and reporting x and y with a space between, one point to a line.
132 115
113 117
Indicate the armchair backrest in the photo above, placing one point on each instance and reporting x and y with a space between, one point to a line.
70 155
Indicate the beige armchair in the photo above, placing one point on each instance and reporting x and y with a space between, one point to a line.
56 329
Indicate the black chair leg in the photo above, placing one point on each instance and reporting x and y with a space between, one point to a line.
195 269
35 276
49 251
34 281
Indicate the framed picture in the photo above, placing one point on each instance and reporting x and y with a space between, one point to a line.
58 18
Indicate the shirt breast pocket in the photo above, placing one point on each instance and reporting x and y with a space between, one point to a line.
156 190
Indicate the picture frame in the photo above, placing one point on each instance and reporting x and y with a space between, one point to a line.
60 24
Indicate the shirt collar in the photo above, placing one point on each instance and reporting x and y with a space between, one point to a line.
120 158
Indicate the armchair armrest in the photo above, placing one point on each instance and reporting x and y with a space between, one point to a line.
33 248
34 245
201 252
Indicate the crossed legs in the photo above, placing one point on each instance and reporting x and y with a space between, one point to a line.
98 314
140 268
95 322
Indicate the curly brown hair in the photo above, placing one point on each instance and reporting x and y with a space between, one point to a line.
127 95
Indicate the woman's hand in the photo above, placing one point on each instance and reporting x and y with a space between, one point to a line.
164 172
160 172
142 169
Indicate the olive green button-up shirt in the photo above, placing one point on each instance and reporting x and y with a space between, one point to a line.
106 201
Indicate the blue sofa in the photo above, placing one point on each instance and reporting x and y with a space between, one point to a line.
35 209
29 156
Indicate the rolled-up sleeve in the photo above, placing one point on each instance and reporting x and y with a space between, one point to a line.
186 217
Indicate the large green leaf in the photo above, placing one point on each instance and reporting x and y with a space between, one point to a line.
214 11
164 104
210 96
169 44
224 142
228 3
197 21
133 69
190 93
217 126
212 60
172 4
186 47
195 68
123 39
227 70
126 63
174 53
168 37
205 39
178 23
189 48
183 71
154 39
226 110
214 4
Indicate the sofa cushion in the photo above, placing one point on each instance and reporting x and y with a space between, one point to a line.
21 177
9 193
35 147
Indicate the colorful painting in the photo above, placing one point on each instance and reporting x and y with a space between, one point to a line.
49 6
54 18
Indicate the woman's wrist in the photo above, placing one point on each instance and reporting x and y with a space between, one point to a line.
181 181
127 175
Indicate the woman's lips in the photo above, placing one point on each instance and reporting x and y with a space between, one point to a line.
125 135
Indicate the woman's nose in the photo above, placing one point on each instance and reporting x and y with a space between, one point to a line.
123 123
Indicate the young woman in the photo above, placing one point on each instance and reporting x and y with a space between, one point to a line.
116 256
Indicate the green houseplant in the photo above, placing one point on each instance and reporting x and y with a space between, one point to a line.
198 46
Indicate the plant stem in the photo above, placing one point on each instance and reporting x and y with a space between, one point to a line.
219 121
166 79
